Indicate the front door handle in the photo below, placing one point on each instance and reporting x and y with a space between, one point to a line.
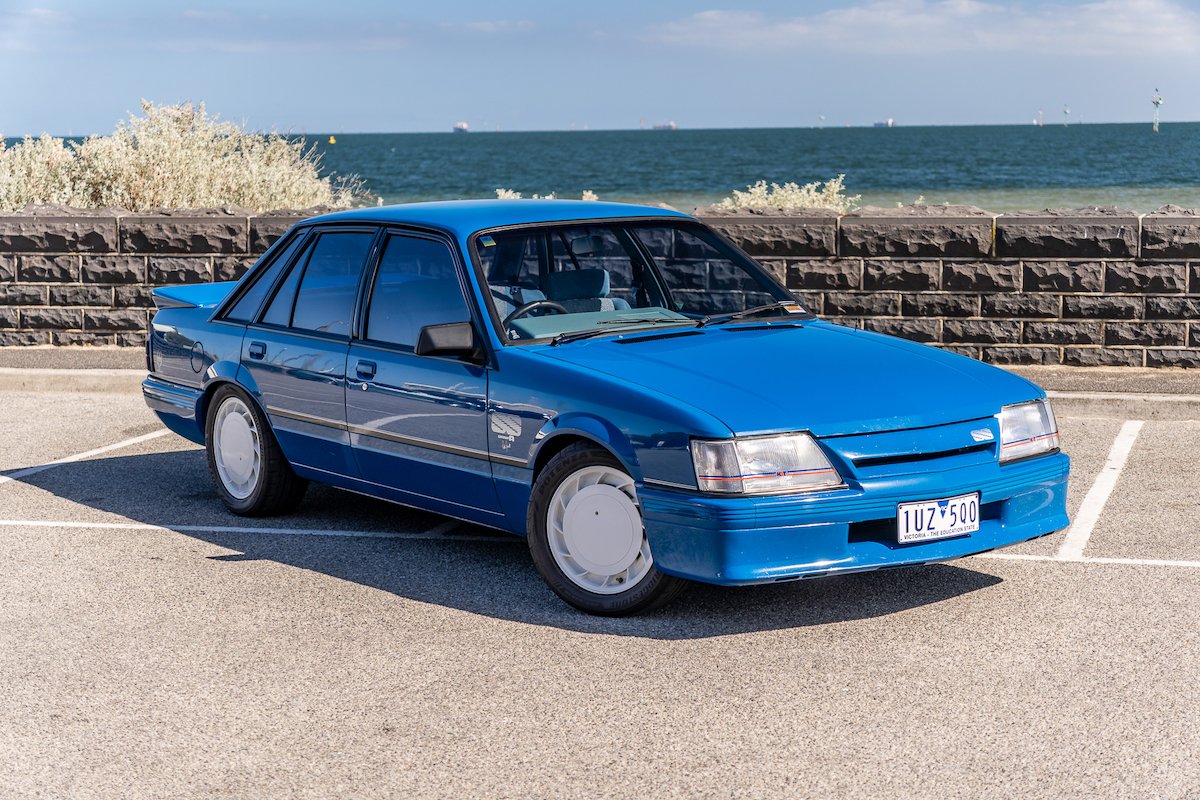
257 350
365 370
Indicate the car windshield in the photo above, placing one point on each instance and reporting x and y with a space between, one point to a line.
553 282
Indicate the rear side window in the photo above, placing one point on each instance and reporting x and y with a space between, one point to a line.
260 283
318 293
416 285
325 301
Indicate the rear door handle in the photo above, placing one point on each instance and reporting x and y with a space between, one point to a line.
257 350
365 370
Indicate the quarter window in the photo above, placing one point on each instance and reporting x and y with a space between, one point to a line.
260 283
416 285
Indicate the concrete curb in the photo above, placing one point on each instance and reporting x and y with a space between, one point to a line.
117 381
1127 405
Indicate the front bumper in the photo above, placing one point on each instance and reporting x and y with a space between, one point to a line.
744 540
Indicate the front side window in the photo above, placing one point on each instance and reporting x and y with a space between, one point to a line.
318 293
416 285
547 280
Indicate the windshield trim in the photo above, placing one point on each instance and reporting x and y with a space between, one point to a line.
489 309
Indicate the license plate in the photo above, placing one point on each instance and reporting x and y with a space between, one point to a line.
937 519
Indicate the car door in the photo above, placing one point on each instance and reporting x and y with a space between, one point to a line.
296 351
418 424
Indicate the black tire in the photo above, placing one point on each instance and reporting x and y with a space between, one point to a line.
654 590
278 489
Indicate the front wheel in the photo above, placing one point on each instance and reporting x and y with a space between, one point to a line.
587 538
245 462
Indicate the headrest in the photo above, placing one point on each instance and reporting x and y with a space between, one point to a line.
577 284
587 245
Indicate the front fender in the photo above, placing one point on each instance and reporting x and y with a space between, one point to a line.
593 428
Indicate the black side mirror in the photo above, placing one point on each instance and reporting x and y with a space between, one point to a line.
450 340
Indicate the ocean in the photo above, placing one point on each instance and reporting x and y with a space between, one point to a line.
999 168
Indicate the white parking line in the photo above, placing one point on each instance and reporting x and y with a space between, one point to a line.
432 533
440 532
22 473
1136 562
1093 502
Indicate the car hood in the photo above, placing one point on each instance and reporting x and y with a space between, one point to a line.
814 376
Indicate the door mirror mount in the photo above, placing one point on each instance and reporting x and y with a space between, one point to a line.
451 340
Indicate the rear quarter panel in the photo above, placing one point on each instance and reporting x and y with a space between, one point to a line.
188 350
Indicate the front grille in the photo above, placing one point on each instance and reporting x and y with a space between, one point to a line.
910 451
908 458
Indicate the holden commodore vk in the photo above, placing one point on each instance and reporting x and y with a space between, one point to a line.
619 384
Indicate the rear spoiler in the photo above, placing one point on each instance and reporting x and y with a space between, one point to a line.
196 295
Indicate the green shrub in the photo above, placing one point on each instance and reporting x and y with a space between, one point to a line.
174 156
831 195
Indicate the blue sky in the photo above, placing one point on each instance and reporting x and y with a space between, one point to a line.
70 66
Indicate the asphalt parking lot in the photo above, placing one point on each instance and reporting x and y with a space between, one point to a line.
153 645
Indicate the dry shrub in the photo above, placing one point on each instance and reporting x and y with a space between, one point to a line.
174 156
510 194
831 194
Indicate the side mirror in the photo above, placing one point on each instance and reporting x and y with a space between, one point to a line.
450 340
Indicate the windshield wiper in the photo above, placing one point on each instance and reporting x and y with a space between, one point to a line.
574 336
587 333
644 320
753 311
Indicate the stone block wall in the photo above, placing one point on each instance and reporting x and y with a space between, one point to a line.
84 278
1097 287
1090 287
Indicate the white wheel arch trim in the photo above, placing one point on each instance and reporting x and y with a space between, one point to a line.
595 531
237 447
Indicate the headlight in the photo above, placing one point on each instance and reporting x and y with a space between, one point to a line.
762 465
1027 429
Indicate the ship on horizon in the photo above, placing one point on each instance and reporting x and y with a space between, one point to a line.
461 127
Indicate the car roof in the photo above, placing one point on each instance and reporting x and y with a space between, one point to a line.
465 217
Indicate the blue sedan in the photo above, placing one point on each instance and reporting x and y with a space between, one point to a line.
619 384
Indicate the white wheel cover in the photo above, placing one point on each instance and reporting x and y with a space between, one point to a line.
237 448
595 531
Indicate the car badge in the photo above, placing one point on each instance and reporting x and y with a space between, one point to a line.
507 428
982 435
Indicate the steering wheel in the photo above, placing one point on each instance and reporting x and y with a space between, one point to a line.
534 306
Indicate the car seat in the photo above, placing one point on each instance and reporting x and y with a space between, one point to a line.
582 290
509 298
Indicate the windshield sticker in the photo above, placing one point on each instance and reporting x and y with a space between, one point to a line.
487 241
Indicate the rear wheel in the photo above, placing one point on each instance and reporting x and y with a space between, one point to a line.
245 462
587 538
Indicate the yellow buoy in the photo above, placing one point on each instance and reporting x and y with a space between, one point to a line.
332 140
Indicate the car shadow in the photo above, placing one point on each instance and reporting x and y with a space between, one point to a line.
469 568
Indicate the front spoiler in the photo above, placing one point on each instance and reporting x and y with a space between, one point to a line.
745 540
